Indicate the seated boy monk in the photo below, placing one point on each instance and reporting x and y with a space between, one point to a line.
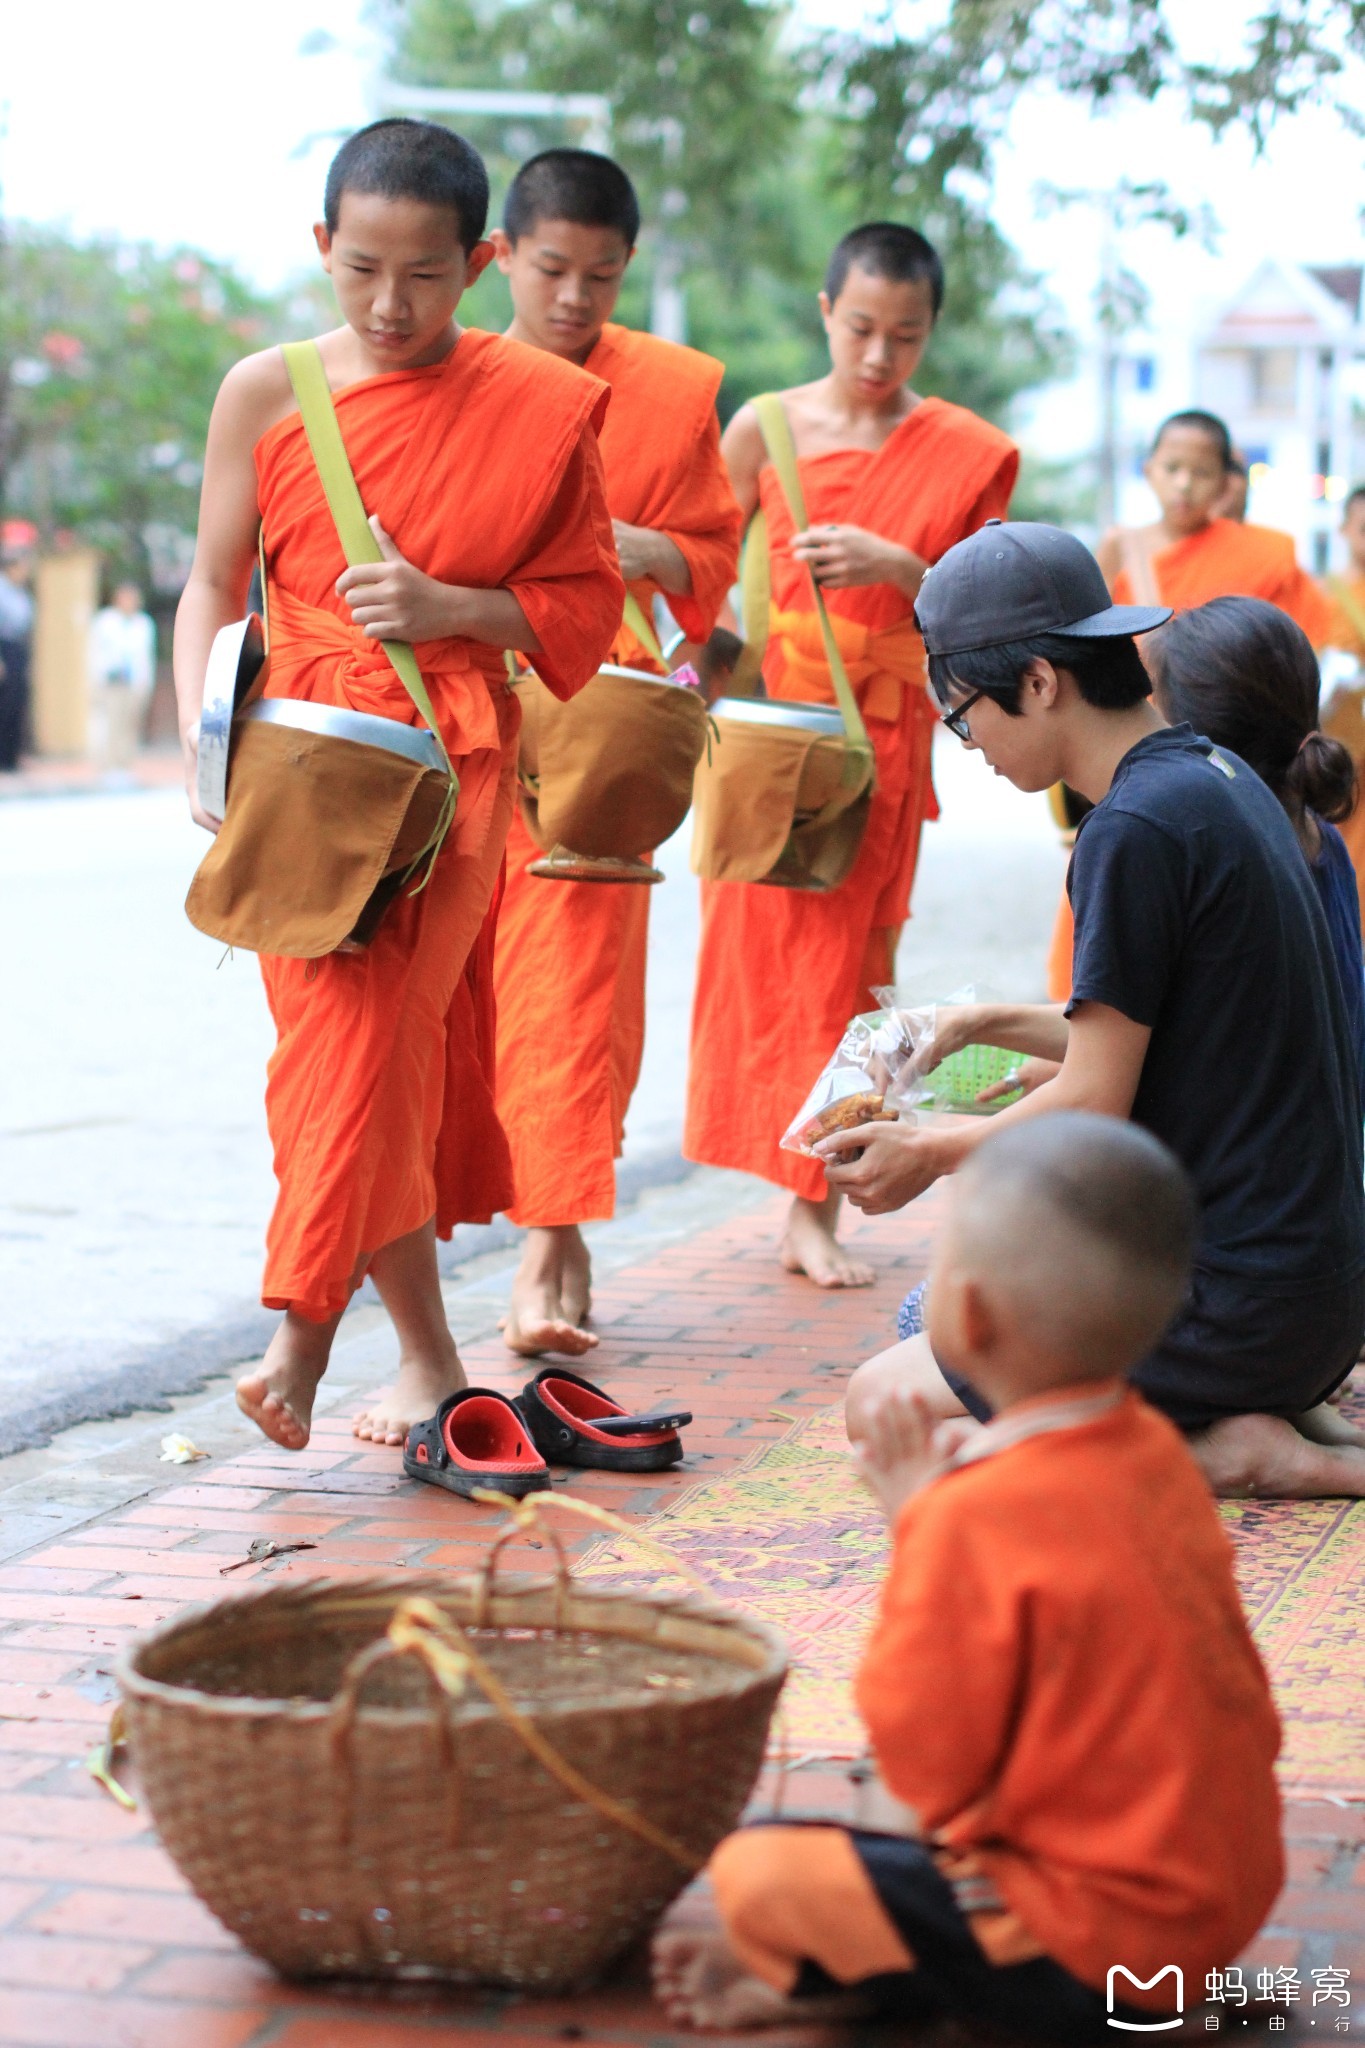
477 460
1060 1685
1206 1006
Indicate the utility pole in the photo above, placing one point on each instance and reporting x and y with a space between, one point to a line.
1120 300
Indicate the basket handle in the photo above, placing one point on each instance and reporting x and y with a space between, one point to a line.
405 1636
526 1517
418 1627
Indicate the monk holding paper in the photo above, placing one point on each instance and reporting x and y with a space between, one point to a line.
890 481
570 955
477 462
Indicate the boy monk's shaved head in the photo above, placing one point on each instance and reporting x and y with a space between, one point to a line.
575 185
1079 1230
884 248
404 159
1206 423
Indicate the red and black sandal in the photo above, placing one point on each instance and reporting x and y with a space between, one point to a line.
572 1422
475 1439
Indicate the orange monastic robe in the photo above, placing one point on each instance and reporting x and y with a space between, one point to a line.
570 956
1347 631
485 470
1224 559
1228 559
781 971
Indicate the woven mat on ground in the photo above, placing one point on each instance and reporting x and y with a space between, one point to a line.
791 1536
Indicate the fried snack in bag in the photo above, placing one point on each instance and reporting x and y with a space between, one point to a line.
871 1077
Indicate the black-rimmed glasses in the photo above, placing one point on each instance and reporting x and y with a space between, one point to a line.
956 719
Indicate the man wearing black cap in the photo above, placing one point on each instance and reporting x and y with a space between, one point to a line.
1204 1006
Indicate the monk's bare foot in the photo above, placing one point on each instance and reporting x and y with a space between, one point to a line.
421 1386
279 1394
1264 1457
550 1296
700 1982
809 1246
576 1283
1323 1425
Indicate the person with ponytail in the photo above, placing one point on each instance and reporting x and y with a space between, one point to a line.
1242 673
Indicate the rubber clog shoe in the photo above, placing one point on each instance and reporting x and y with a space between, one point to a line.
475 1439
572 1422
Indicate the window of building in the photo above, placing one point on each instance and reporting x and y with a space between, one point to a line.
1144 373
1274 379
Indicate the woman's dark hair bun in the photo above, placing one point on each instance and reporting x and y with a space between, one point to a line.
1322 776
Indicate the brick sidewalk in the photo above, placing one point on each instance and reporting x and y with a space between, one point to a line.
101 1946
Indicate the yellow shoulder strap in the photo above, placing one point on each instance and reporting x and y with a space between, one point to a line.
358 543
633 615
777 438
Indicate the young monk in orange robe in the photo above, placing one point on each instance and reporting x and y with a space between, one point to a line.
1188 556
477 460
570 956
891 481
1347 632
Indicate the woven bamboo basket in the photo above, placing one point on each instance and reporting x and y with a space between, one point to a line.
490 1780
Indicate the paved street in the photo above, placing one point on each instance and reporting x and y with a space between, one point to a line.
134 1173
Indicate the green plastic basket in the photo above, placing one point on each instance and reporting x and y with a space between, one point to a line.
956 1084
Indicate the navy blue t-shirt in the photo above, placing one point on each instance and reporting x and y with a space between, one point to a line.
1335 880
1197 915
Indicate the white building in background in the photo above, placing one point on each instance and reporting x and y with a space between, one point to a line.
1284 365
1283 362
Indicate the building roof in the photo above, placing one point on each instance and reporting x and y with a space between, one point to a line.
1291 303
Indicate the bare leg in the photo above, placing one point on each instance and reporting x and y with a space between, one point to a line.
1264 1457
909 1364
429 1366
1323 1425
809 1245
700 1982
279 1396
551 1295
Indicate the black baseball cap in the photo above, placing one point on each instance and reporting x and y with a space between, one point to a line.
1016 580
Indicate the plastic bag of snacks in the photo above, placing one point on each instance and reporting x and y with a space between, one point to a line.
955 1084
871 1077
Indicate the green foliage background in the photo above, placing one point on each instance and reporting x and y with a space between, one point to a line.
109 361
754 169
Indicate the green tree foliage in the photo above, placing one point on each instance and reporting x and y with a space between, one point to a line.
749 170
109 361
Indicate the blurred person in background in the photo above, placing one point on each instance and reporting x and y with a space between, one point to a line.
1233 503
16 635
122 673
1343 664
1198 548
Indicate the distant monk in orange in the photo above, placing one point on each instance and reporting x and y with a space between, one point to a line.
477 460
891 481
1191 554
570 956
1344 710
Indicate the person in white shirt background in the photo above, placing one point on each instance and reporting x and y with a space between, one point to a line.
122 673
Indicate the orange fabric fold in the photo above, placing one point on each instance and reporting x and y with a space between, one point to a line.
1228 559
755 1054
570 956
883 667
1347 631
485 470
661 454
1224 559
